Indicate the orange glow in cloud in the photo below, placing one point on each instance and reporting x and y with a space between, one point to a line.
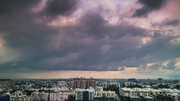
63 21
175 8
150 64
127 11
145 40
171 10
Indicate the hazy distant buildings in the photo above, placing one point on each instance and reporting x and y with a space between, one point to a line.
84 82
127 84
108 84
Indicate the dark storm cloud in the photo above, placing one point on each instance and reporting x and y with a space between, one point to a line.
7 6
90 44
148 6
160 48
54 8
174 22
84 46
94 25
124 46
22 33
17 21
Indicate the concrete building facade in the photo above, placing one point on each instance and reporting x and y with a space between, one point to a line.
84 83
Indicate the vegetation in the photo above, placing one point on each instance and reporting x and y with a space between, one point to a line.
177 87
124 98
112 88
71 98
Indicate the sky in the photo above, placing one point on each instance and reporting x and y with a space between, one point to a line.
89 38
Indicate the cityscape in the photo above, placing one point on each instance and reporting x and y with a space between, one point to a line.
89 50
90 89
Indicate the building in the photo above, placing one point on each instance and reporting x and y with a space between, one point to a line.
40 96
127 84
18 96
135 98
84 83
148 94
138 92
85 94
4 98
99 88
108 84
60 96
105 96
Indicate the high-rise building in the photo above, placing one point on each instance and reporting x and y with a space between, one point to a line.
84 83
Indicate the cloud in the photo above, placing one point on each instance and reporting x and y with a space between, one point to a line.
106 48
94 25
101 42
8 54
67 58
9 6
122 68
170 65
54 8
174 22
148 6
155 66
24 38
91 42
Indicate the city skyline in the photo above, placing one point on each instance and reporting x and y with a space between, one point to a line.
89 38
